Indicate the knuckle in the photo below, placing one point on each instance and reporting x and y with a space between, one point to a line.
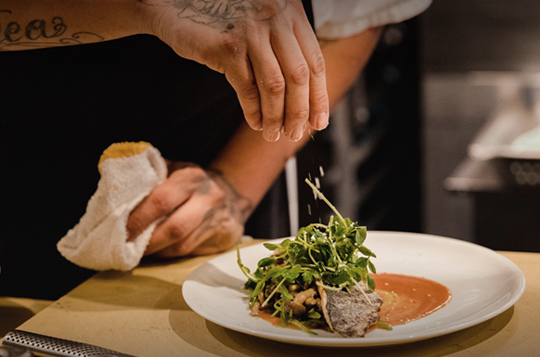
160 200
272 122
300 74
300 115
195 173
187 180
320 98
275 85
175 232
227 53
318 66
134 225
219 196
214 201
234 45
250 91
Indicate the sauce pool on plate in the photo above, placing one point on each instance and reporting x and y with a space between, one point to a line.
405 299
408 298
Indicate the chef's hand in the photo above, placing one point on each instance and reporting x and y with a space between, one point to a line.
266 49
201 212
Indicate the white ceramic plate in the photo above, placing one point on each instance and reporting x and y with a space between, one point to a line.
483 284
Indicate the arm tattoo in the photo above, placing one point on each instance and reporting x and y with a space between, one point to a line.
239 206
39 33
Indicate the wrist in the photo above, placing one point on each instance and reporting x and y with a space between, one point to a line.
242 206
252 164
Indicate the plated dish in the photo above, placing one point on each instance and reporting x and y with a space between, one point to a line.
483 284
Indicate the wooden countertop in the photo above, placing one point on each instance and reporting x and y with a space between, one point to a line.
143 313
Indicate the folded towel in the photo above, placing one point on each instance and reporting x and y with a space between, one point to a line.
129 171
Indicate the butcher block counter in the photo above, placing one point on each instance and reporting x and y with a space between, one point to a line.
143 313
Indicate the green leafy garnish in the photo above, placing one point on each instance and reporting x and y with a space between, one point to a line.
332 256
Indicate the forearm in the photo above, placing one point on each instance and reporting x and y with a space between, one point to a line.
345 59
250 163
31 24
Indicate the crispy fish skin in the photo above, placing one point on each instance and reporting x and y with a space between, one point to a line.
350 314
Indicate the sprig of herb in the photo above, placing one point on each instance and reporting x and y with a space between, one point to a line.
332 256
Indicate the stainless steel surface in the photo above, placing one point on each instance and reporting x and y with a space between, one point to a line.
55 346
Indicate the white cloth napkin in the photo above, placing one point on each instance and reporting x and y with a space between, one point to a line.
129 171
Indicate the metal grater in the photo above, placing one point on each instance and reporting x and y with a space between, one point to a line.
56 346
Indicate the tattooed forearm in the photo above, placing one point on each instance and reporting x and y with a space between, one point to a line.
39 33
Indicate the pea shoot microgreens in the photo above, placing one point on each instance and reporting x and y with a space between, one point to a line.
332 256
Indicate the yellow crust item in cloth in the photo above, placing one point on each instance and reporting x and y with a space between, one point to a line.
99 240
125 149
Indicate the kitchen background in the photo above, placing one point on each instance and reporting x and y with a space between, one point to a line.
399 155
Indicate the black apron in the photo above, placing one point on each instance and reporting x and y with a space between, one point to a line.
60 108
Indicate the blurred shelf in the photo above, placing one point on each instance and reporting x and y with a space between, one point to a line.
475 176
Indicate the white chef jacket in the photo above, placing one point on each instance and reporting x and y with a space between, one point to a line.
342 18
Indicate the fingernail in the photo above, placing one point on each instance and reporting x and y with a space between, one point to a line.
258 127
298 133
321 122
273 137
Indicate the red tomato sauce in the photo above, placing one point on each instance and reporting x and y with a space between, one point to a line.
409 298
405 299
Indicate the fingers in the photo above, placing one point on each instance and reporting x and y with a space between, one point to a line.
179 228
268 53
204 240
289 72
203 225
270 82
164 199
297 76
242 80
318 94
199 213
